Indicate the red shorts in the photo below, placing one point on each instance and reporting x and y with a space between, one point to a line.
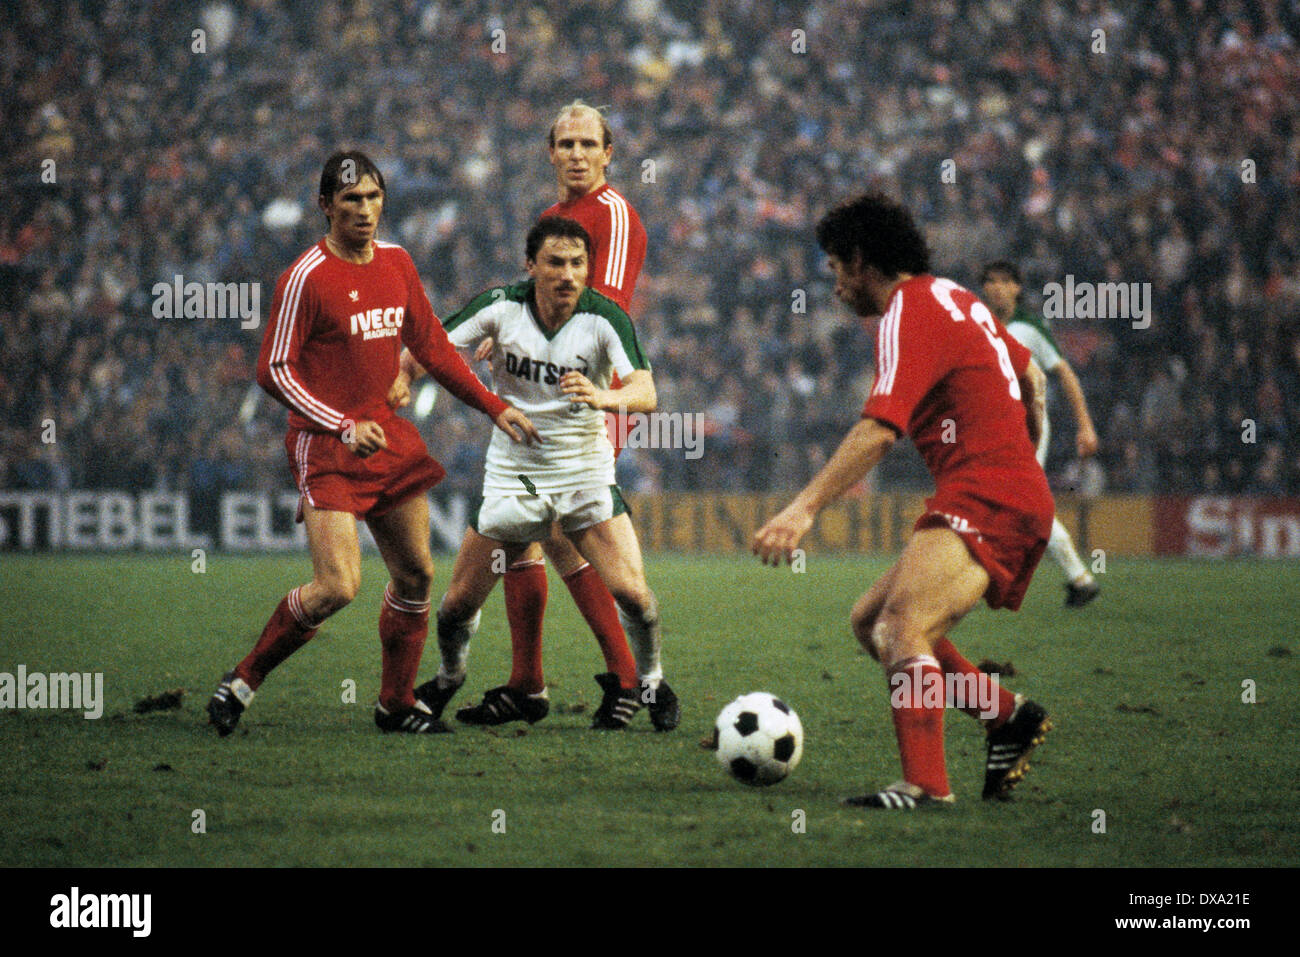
1007 544
331 477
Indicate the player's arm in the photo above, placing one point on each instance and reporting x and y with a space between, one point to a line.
1024 348
616 343
1033 393
429 345
864 446
908 364
408 370
625 245
636 394
1086 441
467 326
509 420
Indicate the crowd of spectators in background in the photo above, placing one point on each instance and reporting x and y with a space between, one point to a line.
1112 141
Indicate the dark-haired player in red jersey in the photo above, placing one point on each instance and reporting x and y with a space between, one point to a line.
580 147
949 376
339 318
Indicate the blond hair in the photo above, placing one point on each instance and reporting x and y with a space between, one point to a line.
579 108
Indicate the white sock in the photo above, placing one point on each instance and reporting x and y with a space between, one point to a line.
1061 548
241 690
643 636
453 642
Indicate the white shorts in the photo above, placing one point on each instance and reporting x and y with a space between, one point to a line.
528 518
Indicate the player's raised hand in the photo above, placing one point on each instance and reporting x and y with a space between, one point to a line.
581 391
484 351
518 426
1086 442
367 438
399 393
776 541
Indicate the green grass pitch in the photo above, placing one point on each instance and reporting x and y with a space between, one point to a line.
1145 686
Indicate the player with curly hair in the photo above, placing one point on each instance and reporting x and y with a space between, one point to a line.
971 399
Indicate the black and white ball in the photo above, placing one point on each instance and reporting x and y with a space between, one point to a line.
759 738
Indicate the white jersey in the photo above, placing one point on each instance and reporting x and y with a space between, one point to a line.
527 363
1032 333
1040 346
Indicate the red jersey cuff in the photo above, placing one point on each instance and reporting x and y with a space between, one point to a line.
884 419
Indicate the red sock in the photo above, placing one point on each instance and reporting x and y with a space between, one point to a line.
287 631
403 626
525 608
918 722
1002 701
601 614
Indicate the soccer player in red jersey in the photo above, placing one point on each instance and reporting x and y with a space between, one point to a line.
339 318
950 377
580 147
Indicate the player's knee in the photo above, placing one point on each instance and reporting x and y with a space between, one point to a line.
414 579
456 606
862 620
338 589
636 600
883 637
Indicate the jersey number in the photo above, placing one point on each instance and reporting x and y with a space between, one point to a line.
980 315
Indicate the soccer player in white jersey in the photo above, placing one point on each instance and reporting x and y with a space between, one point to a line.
556 348
1001 286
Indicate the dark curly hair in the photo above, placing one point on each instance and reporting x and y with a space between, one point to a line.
558 226
880 229
1001 267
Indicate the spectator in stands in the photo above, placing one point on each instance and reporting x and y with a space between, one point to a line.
1123 167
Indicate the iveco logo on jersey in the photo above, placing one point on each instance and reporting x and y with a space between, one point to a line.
377 323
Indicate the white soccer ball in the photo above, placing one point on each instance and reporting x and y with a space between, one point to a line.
759 738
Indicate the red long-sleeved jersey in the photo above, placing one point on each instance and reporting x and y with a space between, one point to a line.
618 237
336 330
947 374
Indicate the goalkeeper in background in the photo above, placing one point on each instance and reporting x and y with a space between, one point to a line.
1001 286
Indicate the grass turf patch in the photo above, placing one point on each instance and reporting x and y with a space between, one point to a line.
1145 687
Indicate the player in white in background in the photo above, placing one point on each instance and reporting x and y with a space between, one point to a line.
556 347
1001 285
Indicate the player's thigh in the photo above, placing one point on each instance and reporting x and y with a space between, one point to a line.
402 534
936 582
335 550
533 552
479 563
560 551
612 549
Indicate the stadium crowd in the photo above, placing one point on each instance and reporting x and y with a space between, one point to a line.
1103 140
